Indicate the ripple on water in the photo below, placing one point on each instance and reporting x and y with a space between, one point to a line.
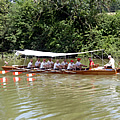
61 97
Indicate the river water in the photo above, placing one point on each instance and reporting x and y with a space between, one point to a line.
59 97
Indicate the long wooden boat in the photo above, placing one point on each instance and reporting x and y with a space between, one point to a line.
21 68
94 71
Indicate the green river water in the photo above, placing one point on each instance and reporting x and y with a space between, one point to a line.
59 96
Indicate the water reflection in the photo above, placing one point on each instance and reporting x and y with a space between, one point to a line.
16 79
49 96
107 99
4 82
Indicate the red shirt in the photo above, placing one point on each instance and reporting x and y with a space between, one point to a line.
91 63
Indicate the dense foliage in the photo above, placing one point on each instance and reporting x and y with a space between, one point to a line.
60 25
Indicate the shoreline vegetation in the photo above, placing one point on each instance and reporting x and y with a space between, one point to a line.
60 26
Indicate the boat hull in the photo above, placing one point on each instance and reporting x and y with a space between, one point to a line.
97 72
8 68
81 72
13 67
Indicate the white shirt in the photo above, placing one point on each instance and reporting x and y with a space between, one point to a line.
64 63
29 64
42 64
55 65
78 63
70 65
37 63
112 63
50 62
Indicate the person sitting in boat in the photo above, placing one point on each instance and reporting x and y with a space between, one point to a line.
50 63
30 64
37 63
57 65
43 65
91 64
64 64
79 64
111 63
71 65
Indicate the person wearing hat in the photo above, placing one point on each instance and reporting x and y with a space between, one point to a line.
91 64
71 65
57 65
79 64
43 65
111 63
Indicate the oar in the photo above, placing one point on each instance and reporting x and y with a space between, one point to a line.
70 72
55 71
30 75
17 73
4 71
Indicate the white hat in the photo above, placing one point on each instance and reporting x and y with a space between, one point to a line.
109 56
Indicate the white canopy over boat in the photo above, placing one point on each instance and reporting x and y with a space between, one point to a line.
49 54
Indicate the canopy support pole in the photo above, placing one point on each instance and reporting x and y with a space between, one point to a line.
14 59
91 55
102 57
25 60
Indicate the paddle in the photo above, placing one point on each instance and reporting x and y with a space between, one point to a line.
29 75
70 72
17 73
4 72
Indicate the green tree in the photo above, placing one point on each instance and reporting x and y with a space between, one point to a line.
59 25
